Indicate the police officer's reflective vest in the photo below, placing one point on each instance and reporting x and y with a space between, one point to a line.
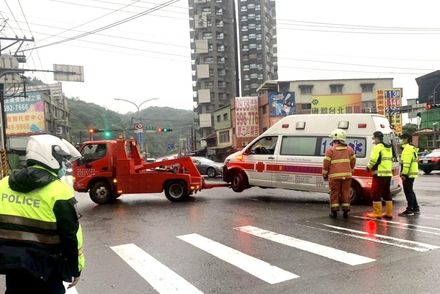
408 158
39 231
381 160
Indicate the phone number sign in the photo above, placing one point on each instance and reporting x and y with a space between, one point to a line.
246 117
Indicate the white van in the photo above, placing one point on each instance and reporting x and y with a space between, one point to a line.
290 154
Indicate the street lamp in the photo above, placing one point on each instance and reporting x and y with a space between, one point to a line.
138 106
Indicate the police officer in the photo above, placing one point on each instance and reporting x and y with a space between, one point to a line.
381 165
40 236
410 171
338 165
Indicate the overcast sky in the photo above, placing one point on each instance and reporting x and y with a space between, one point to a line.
150 56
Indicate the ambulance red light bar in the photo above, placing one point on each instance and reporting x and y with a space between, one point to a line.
285 126
362 126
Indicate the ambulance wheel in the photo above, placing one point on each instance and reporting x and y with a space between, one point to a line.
176 191
101 193
355 193
239 181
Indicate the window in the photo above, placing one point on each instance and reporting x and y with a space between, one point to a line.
219 23
243 8
306 89
245 67
336 88
254 76
219 118
252 36
221 48
207 35
251 6
251 26
225 116
306 106
219 11
246 77
367 88
251 15
244 28
358 145
224 137
244 18
265 145
245 38
220 36
299 146
93 152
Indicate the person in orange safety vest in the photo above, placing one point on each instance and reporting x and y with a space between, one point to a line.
339 163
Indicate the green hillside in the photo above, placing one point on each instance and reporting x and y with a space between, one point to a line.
86 115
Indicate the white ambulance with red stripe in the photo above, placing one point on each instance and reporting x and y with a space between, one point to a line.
290 154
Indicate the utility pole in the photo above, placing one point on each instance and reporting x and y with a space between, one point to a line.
9 65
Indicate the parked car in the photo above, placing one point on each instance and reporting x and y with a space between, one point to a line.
208 167
430 162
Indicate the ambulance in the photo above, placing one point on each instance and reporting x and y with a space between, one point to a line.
290 154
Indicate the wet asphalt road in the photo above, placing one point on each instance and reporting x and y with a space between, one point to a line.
403 254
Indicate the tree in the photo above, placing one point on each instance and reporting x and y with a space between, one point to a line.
409 128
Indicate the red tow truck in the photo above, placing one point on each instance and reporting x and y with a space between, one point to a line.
110 168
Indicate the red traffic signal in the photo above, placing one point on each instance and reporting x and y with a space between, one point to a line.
164 130
159 130
91 131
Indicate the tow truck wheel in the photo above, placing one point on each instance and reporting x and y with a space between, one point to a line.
176 191
101 193
239 181
211 172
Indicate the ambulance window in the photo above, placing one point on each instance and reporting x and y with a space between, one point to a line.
300 146
92 152
358 145
265 145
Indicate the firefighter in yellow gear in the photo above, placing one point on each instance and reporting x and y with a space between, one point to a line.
410 171
381 166
41 243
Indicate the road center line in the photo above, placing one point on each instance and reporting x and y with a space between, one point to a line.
397 223
413 245
329 252
260 269
159 276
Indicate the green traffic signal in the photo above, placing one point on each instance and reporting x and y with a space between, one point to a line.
107 134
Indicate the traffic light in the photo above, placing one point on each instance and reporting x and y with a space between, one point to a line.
164 130
430 106
91 131
107 134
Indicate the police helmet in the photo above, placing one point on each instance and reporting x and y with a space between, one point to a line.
49 151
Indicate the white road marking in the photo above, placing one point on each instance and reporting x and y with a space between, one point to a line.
398 223
71 290
407 244
329 252
260 269
159 276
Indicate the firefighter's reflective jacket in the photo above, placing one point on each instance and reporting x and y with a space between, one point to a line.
339 162
39 228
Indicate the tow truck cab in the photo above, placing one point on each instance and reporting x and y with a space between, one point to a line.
109 169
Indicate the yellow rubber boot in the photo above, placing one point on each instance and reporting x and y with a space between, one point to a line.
377 210
388 209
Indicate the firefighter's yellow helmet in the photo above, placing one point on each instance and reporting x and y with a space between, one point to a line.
338 135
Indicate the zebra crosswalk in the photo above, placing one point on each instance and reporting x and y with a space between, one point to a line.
165 276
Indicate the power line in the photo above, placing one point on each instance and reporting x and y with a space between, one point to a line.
108 8
115 36
7 23
92 20
355 26
354 64
13 16
114 24
348 71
